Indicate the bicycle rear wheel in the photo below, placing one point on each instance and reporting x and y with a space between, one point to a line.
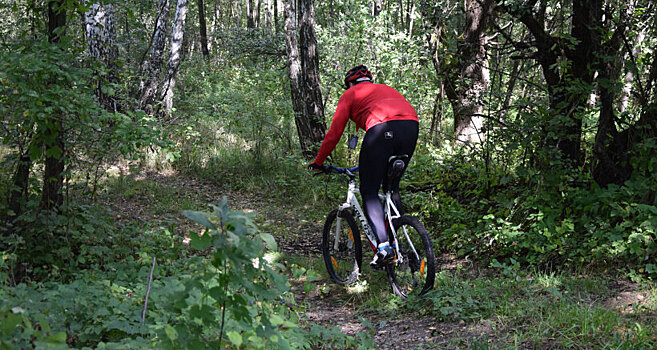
414 274
341 247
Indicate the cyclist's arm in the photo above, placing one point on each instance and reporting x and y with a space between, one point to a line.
340 119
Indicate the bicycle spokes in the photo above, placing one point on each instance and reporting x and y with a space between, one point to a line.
415 271
341 247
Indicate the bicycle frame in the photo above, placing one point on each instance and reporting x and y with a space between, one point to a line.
390 210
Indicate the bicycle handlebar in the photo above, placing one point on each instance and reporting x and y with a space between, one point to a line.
328 169
342 170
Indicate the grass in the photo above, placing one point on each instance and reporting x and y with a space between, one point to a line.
540 310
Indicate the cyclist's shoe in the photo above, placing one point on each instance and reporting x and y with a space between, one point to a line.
383 256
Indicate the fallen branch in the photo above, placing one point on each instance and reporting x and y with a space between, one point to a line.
148 292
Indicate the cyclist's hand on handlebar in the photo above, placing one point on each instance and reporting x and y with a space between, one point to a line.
318 169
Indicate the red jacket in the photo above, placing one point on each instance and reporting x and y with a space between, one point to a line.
367 104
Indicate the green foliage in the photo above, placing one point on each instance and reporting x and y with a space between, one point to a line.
46 93
33 335
233 297
37 83
50 246
244 109
534 218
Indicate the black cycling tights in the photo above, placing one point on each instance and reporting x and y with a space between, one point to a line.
381 141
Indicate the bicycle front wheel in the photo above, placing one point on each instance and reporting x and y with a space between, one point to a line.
341 247
415 271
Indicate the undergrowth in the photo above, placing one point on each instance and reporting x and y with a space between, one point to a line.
228 295
557 218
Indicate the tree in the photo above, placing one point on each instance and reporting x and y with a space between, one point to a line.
202 28
175 57
99 26
152 68
250 14
614 146
303 67
565 60
465 74
53 180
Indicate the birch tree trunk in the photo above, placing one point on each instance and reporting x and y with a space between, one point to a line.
304 76
152 69
99 26
175 57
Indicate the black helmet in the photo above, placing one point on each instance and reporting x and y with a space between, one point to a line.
358 73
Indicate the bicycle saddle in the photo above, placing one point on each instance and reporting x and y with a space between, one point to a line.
396 164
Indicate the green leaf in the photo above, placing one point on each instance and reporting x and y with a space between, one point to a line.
201 242
199 218
235 238
35 153
235 338
218 293
10 321
171 332
276 320
269 241
57 338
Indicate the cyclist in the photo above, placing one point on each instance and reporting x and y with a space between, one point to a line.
391 128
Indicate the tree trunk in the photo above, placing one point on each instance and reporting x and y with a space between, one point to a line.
410 18
175 57
267 17
511 85
53 181
629 76
202 28
564 129
275 15
467 78
250 21
304 76
152 69
257 13
18 193
99 26
613 149
377 6
437 116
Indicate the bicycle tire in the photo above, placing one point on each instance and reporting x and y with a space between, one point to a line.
412 276
342 264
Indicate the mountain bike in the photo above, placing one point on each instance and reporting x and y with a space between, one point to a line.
412 271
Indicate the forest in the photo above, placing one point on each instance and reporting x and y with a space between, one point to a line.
155 190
